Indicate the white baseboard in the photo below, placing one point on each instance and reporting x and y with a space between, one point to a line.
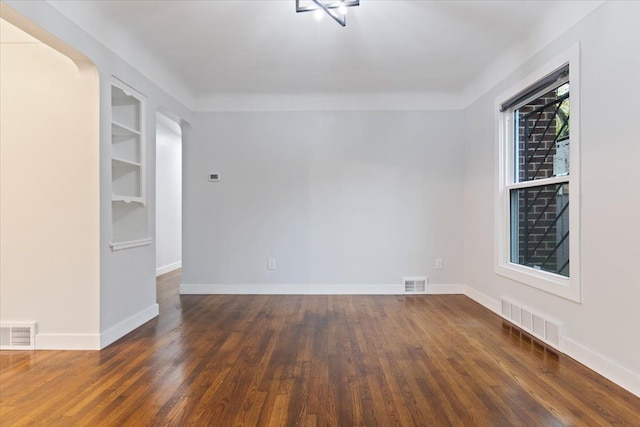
95 341
167 268
127 325
290 289
604 366
67 341
445 289
482 299
310 289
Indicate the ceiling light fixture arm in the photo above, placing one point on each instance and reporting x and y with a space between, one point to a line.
329 8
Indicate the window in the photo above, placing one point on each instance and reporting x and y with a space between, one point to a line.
537 195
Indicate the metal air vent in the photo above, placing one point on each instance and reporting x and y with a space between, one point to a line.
414 285
17 336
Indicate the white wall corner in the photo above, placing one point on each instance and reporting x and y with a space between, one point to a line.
482 299
127 325
67 342
129 49
168 268
518 54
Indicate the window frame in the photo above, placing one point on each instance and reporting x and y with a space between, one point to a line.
565 287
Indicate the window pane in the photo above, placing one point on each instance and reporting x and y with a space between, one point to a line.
542 136
540 228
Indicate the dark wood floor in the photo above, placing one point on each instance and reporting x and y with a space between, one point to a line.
311 360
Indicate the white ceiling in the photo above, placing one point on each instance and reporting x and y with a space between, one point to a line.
205 49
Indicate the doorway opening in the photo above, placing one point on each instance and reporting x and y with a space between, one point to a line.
49 187
168 195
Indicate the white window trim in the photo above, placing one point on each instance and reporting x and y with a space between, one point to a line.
565 287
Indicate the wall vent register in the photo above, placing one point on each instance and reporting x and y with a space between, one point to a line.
539 325
17 336
414 285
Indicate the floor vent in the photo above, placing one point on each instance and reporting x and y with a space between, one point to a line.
540 326
17 336
414 285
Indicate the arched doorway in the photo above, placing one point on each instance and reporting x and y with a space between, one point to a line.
49 186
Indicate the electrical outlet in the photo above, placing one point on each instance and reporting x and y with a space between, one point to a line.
271 264
438 263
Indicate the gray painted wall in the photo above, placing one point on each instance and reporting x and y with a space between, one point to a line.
599 330
336 197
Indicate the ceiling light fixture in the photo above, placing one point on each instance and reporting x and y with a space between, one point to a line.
337 9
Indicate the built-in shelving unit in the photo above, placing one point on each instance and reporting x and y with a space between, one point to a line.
129 213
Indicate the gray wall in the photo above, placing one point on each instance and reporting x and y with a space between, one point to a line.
602 331
336 197
127 277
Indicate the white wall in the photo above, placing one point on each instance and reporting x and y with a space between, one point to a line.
338 198
602 331
127 277
168 196
49 192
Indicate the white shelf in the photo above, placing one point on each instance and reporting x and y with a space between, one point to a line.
120 130
129 212
126 162
127 199
116 246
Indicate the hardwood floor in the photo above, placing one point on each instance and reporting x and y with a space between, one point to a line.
433 360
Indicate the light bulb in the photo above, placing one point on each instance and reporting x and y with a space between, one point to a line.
318 14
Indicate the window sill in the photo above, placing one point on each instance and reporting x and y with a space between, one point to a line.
555 284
